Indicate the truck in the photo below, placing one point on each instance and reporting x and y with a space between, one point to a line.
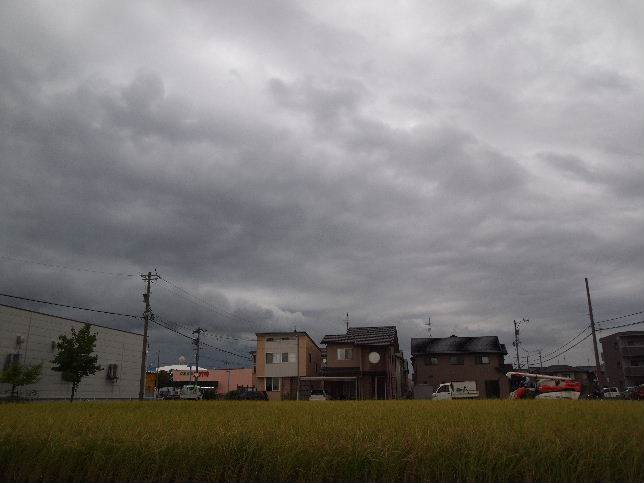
190 392
456 390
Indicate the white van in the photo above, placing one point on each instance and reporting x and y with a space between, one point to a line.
190 392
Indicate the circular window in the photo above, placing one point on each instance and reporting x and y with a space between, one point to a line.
374 357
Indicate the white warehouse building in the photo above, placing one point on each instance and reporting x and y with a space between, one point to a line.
31 338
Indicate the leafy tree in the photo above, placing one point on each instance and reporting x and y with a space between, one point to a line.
18 375
74 359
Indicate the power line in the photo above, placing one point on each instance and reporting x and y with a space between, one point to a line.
204 303
568 349
159 321
620 317
620 326
65 267
571 340
71 306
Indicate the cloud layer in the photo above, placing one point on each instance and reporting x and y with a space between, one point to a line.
289 163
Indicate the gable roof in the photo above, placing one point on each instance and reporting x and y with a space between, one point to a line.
386 335
457 345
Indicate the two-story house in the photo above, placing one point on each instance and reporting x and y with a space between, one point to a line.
371 358
450 359
281 359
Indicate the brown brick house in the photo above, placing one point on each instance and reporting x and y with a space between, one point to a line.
371 357
449 359
623 355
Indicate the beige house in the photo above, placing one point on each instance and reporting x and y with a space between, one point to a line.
281 359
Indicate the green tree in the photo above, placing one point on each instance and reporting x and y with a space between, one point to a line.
18 375
74 359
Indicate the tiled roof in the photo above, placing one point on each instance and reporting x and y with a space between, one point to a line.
457 345
365 336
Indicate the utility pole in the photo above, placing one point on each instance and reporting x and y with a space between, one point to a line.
516 338
429 325
516 343
600 377
347 321
147 278
197 331
540 361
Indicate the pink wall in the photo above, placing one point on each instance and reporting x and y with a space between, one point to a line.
238 377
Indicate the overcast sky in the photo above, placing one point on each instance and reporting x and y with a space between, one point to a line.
289 162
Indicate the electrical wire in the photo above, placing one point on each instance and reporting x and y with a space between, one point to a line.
568 349
204 303
168 325
571 340
70 306
620 317
620 326
65 267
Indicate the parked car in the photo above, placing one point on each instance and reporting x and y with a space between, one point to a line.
168 393
190 392
319 395
246 395
456 390
611 393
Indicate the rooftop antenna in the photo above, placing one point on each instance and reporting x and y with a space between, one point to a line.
347 321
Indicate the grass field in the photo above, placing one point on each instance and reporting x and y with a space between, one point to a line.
371 440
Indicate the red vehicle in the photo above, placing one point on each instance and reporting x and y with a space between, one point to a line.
540 386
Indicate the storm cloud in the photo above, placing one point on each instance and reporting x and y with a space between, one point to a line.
290 162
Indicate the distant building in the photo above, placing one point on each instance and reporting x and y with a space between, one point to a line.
220 380
450 359
30 337
366 363
623 355
282 359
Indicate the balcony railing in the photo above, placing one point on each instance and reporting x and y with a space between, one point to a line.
634 371
633 351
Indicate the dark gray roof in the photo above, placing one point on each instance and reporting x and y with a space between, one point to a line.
365 336
457 345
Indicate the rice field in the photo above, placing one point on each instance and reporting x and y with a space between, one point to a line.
359 440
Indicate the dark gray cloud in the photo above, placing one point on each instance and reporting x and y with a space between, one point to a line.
289 163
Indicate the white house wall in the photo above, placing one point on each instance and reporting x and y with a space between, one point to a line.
40 331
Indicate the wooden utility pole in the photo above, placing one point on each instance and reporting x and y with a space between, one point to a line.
598 368
147 278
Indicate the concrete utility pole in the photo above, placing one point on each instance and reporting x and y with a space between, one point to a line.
347 321
516 343
540 361
516 338
146 318
197 331
600 377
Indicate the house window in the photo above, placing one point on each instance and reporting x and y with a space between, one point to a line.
310 357
345 354
269 358
456 360
482 359
284 356
272 383
431 361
